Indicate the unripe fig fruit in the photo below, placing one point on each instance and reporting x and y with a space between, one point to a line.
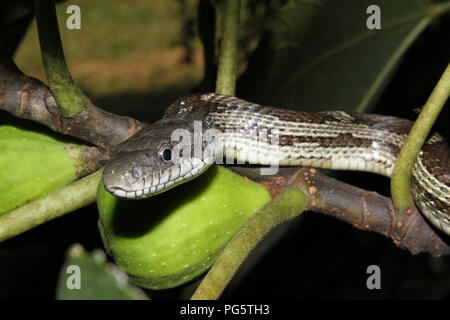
171 238
33 164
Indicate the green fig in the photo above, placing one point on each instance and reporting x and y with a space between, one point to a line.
33 164
169 239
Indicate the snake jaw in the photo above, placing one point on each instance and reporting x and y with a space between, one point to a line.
155 182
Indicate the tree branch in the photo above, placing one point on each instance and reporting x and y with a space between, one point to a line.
29 98
365 210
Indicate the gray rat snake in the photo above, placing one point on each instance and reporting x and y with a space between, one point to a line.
151 161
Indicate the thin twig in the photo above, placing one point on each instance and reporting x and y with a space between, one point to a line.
401 178
289 204
226 75
68 96
53 205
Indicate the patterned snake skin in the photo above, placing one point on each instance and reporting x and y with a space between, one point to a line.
150 162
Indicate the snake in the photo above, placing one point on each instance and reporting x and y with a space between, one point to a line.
200 129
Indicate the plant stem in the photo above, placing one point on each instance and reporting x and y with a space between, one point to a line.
401 178
438 9
226 74
68 96
290 203
51 206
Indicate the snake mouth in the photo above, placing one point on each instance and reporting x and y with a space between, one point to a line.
125 194
140 193
166 179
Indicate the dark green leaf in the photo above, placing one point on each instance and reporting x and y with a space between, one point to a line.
320 55
99 280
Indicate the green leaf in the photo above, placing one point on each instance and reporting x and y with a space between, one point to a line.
99 280
321 55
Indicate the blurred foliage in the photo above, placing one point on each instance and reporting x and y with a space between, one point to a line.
128 45
98 279
319 55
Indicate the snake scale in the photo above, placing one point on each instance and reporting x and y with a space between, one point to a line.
151 161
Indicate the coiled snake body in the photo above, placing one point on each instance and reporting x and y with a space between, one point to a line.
151 162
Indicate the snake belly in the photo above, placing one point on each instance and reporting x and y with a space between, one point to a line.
331 140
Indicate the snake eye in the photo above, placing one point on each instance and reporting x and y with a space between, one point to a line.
166 153
135 173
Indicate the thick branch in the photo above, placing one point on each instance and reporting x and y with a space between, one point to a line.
29 98
363 209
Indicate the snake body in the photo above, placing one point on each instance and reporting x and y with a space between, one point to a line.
151 162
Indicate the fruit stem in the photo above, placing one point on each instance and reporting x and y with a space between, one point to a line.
290 203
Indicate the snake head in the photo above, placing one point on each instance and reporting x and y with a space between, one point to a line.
159 157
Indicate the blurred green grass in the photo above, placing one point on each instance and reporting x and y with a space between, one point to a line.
127 52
